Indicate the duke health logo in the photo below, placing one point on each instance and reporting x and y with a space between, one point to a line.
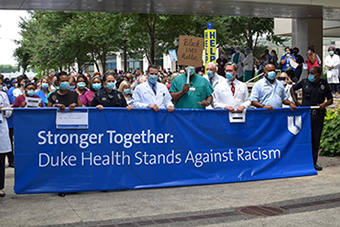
294 124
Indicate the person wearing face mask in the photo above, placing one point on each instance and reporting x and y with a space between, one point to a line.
300 61
125 89
221 61
286 58
84 93
45 89
152 94
197 94
5 142
314 93
238 58
231 94
108 96
268 92
312 60
63 97
332 63
212 75
248 64
287 83
96 84
29 92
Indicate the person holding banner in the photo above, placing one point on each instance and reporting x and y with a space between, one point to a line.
314 93
24 100
268 92
152 94
108 96
5 142
63 97
195 94
231 94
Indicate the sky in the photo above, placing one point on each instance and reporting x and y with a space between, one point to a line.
9 31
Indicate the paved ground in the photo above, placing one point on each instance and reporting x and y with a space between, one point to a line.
308 201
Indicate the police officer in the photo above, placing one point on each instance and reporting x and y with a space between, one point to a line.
108 96
314 93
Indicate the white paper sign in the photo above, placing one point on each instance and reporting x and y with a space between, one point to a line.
32 102
237 117
78 119
293 63
329 74
305 66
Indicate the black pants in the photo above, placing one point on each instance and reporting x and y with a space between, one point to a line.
317 126
10 155
2 171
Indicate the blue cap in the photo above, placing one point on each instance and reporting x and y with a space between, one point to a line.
247 49
210 25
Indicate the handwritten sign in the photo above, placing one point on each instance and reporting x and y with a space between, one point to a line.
32 102
190 50
78 119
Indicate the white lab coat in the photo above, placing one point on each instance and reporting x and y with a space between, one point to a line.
248 62
5 142
223 96
143 96
332 75
215 80
240 60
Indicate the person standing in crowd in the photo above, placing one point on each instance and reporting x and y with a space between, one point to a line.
152 94
268 92
332 63
29 92
212 75
285 79
300 61
314 93
197 94
231 94
108 96
221 61
248 64
63 97
125 89
238 58
312 60
273 58
20 89
5 142
286 58
96 84
45 89
72 81
84 93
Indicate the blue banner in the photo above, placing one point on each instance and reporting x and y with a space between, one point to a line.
142 149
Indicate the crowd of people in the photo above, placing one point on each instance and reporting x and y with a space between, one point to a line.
218 86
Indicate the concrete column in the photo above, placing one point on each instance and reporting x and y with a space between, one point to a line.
307 32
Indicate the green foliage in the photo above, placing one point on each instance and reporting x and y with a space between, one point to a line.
7 68
330 142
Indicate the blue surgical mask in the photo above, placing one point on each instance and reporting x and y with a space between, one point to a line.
288 52
191 70
331 52
237 51
210 74
222 55
153 79
81 85
311 78
30 93
72 87
110 86
271 75
127 91
229 76
44 86
97 86
64 85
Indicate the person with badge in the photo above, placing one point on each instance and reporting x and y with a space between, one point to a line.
314 93
5 142
191 91
152 94
268 92
108 96
232 94
63 97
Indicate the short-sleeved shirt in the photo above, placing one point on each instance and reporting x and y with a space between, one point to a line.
313 93
189 100
18 101
268 94
106 99
287 62
69 98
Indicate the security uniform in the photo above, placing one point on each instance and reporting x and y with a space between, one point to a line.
312 95
106 99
